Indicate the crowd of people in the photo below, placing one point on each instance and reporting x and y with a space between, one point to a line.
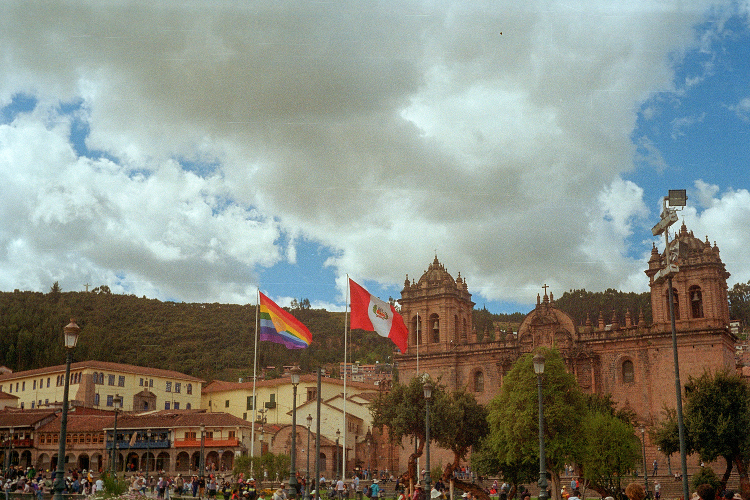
38 482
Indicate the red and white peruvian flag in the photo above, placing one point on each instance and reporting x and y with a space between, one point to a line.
374 315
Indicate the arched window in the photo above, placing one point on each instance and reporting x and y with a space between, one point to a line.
479 382
434 328
696 301
676 303
628 372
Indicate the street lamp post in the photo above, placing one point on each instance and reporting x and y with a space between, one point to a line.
202 461
71 331
148 449
307 474
427 387
336 468
293 484
9 451
539 370
676 198
643 447
117 403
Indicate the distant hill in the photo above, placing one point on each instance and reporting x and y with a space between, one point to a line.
213 341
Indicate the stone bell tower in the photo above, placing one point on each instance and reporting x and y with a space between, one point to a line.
437 310
699 288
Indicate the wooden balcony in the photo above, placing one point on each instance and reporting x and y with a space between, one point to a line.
208 443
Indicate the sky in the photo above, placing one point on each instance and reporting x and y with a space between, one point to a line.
199 151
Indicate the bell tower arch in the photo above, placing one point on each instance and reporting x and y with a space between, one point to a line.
699 288
437 310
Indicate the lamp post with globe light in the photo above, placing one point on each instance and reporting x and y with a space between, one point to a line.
538 362
293 484
307 474
427 388
71 331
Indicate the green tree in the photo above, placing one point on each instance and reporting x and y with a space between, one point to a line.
610 451
717 414
513 417
457 422
739 303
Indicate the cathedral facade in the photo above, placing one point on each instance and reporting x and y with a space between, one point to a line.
620 355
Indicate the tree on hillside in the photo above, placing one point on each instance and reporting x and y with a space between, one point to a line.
739 303
513 417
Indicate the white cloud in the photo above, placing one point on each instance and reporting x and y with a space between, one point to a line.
385 132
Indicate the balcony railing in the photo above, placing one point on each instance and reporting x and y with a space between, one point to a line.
210 443
124 444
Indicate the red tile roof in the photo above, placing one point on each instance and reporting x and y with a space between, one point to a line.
101 365
12 417
221 385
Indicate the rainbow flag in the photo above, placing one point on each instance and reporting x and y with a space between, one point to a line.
277 325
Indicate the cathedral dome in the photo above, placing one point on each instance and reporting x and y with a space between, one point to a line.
436 275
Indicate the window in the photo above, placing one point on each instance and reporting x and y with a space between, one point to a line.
176 405
177 387
46 401
628 372
312 394
48 381
121 381
110 400
96 399
434 328
32 405
479 382
209 434
696 301
22 405
23 385
226 404
250 403
187 406
17 385
34 386
190 436
169 387
111 380
150 382
166 405
232 434
189 389
141 383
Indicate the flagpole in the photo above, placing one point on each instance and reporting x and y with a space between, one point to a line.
255 368
346 327
417 337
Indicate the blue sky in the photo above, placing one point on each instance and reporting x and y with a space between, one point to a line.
198 154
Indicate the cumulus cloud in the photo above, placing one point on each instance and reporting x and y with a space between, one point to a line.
496 135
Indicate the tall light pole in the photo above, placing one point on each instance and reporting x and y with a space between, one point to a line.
643 447
202 461
293 484
676 198
9 451
336 465
71 331
427 388
148 449
307 474
539 370
117 403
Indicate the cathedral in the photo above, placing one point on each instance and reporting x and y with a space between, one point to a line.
620 355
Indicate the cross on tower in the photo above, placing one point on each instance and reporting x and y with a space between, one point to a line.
545 288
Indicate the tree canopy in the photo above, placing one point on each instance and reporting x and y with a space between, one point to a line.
457 422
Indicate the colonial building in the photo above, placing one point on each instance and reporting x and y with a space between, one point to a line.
341 441
616 353
97 384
